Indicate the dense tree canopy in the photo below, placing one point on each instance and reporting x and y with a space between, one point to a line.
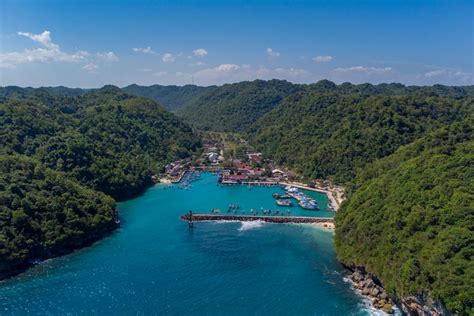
331 135
107 139
235 107
410 219
43 213
173 98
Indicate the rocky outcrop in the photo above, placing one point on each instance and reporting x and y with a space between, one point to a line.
421 305
370 286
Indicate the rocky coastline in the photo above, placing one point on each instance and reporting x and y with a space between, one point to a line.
371 287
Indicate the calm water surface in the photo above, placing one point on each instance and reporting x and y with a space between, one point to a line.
155 265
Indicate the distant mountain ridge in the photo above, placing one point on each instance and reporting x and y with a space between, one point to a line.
173 98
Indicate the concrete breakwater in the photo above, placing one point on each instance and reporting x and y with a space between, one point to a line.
199 217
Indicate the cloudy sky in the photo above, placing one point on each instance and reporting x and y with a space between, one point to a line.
91 43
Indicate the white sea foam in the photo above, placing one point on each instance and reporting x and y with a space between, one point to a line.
366 304
250 225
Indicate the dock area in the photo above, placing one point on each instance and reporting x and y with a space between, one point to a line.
250 183
200 217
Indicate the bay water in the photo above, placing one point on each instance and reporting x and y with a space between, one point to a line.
155 264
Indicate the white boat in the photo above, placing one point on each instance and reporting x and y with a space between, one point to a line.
291 189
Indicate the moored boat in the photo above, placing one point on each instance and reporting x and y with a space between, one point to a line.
291 189
309 204
284 202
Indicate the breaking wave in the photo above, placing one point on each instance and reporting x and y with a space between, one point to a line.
250 225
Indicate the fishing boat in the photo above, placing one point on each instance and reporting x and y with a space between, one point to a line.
284 202
291 189
281 196
309 204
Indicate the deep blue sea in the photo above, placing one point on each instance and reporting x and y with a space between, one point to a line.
154 264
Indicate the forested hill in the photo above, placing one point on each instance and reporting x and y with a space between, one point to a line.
173 98
410 220
80 149
107 139
14 92
235 107
43 213
331 135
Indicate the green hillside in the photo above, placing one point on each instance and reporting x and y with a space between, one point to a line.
410 220
331 135
173 98
43 213
108 140
235 107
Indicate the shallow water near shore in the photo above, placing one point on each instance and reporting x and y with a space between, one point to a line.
154 264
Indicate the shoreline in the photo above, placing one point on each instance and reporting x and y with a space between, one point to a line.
23 267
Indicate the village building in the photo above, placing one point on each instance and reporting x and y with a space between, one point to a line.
255 157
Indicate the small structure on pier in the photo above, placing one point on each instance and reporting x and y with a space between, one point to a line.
190 219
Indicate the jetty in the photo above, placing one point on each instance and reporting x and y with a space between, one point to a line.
203 217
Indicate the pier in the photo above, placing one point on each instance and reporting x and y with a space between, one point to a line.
202 217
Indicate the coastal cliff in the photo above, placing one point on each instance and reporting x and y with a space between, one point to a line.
409 222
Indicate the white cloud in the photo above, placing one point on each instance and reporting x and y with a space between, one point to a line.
225 73
168 58
107 56
280 73
146 50
160 73
200 52
450 74
49 52
198 63
271 53
323 59
226 68
43 38
434 73
364 70
90 67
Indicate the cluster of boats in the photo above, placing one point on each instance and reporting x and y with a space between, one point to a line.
291 192
281 200
188 178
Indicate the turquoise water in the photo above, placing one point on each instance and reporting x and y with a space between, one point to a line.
155 265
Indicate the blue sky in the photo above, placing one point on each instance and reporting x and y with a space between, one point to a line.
92 43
